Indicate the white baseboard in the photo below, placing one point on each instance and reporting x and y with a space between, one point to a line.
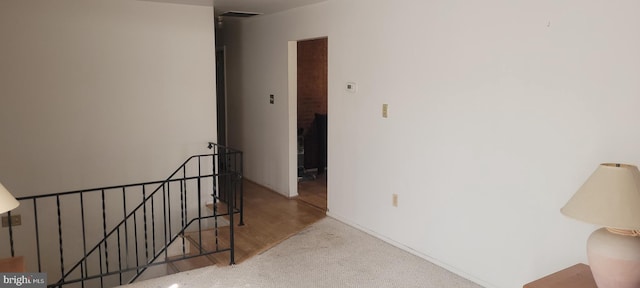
399 245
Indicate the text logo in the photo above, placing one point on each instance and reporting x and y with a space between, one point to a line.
23 280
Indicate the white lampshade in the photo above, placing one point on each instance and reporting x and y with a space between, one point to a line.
7 201
610 198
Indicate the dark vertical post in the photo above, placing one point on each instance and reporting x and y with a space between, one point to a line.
60 236
231 225
84 266
144 214
183 207
168 211
199 208
126 229
135 236
153 226
217 193
13 253
104 233
240 174
35 217
101 271
119 255
164 205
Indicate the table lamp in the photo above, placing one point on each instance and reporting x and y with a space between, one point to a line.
7 202
611 198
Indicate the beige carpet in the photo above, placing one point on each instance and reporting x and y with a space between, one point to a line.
326 254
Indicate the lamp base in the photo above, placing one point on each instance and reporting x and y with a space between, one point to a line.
614 259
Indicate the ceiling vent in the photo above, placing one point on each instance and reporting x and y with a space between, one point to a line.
240 14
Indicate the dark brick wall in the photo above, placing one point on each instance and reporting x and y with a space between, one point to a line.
312 80
312 100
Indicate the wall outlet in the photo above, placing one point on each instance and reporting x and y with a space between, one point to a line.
395 200
16 220
272 99
385 110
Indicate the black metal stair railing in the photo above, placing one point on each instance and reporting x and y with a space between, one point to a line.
96 238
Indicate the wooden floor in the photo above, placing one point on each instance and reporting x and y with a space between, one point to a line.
269 219
314 191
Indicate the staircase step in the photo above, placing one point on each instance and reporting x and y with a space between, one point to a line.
149 273
191 263
209 244
196 262
248 242
172 269
221 207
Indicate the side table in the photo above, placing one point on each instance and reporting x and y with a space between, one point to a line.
12 265
576 276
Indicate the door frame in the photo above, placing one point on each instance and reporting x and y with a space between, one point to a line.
292 79
293 116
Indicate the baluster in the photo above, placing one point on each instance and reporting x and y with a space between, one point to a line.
169 209
216 194
240 176
230 206
199 211
60 235
126 229
153 227
144 213
164 205
135 235
104 232
84 266
119 254
11 234
182 203
35 217
101 270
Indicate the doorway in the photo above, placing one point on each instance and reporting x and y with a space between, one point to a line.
221 98
223 161
312 115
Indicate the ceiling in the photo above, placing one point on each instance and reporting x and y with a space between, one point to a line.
259 6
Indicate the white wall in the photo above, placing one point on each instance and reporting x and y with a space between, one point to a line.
256 68
102 92
499 110
96 93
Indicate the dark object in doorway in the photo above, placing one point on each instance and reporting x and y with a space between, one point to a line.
315 144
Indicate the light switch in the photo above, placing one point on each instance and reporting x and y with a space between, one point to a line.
272 99
385 110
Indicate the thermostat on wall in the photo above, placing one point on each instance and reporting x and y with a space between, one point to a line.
351 87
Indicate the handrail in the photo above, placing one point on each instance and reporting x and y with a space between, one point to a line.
151 264
118 226
112 187
223 177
